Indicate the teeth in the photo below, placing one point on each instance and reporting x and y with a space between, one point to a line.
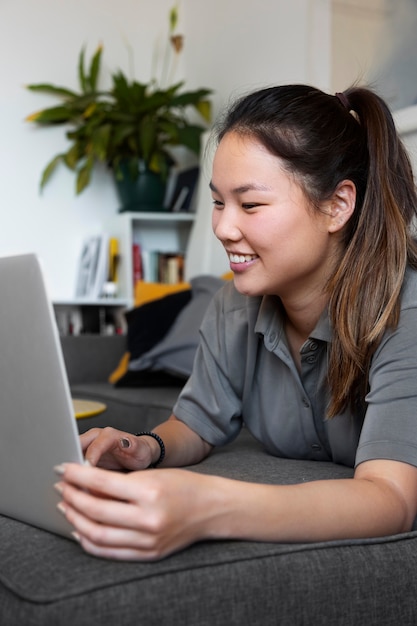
241 258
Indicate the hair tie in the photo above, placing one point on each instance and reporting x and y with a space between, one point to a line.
343 100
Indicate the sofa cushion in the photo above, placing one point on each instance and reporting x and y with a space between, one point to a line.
146 326
47 580
166 359
175 352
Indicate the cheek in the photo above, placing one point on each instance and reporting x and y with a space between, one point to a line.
214 220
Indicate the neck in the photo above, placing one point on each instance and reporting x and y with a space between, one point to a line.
301 319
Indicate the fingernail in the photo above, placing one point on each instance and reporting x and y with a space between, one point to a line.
58 487
76 536
125 443
61 508
59 469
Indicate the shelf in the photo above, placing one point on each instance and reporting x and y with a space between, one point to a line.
106 302
163 216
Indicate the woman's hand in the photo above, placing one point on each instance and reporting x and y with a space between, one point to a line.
141 515
115 449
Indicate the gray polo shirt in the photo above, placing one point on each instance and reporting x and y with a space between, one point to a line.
244 373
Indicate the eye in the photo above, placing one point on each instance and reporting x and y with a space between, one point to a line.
217 204
250 205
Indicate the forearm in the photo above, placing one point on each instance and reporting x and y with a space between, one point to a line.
183 446
316 511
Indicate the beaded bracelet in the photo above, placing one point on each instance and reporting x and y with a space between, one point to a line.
161 445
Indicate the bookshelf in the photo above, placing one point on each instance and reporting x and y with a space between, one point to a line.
164 231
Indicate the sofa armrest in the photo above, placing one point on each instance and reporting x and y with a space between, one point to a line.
91 358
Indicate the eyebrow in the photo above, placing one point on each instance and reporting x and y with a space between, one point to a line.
243 188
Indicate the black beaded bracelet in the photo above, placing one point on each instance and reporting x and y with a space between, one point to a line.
161 445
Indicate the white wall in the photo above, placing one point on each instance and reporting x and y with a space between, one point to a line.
230 45
357 27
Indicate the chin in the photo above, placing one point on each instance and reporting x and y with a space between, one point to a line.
247 287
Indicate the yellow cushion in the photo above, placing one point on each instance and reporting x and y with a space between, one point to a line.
121 369
146 292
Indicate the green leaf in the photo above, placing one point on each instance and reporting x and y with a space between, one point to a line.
71 157
81 73
160 163
169 129
204 108
100 141
122 132
49 169
147 137
190 97
54 90
84 176
54 115
173 18
95 68
189 137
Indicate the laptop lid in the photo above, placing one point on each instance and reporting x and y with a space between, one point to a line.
38 429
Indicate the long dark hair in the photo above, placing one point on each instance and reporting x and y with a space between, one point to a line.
322 140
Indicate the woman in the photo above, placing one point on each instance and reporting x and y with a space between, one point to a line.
313 347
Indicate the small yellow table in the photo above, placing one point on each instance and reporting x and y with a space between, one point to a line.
87 408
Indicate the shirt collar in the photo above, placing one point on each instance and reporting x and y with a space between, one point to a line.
271 314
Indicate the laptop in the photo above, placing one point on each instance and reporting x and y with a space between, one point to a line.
38 429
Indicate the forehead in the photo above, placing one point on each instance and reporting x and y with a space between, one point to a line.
243 160
241 146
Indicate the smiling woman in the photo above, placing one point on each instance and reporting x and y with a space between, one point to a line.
313 201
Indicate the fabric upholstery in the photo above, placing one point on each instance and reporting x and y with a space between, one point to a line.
46 580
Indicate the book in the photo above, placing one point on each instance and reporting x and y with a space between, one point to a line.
170 267
93 266
181 189
137 263
114 258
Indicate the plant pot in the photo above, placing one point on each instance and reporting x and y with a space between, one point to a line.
143 192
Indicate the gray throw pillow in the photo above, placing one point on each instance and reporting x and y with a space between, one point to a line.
175 352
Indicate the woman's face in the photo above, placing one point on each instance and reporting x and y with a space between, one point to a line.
275 241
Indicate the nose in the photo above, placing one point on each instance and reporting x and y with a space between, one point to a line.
225 224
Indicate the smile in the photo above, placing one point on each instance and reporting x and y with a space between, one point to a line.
242 258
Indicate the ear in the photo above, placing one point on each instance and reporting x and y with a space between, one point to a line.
341 205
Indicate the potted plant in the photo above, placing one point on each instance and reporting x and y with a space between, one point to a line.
130 127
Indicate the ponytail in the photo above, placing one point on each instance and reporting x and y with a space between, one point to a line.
365 290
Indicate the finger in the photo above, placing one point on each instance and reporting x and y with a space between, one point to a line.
88 437
103 535
113 541
109 440
99 508
107 483
116 553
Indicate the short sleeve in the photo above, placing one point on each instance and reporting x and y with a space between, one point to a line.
211 401
390 426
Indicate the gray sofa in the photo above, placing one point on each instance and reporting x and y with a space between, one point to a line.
46 580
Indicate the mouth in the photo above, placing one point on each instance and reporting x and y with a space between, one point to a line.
242 258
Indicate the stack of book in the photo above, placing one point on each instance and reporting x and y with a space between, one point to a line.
157 266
